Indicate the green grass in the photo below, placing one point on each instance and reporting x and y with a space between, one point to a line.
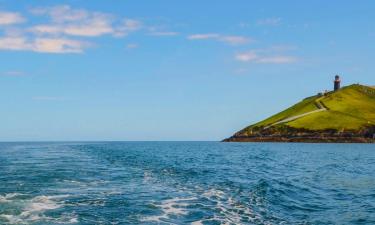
350 108
304 106
328 120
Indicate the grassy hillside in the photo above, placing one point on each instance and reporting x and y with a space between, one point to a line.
304 106
350 108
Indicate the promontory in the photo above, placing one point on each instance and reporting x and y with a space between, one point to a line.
344 115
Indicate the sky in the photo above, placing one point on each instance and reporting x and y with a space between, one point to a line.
165 70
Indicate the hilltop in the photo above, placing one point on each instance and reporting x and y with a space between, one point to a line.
345 115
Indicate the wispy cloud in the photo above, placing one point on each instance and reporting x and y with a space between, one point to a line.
14 43
66 29
203 36
45 45
61 13
247 56
9 18
274 21
57 35
79 22
256 57
92 29
59 45
229 39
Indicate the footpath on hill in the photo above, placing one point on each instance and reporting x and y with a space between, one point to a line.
318 104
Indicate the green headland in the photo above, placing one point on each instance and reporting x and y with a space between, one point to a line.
343 115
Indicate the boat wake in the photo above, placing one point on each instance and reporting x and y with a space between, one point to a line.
19 208
212 206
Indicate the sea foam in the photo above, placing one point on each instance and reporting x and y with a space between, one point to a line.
33 209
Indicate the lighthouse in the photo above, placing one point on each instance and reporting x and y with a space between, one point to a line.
336 82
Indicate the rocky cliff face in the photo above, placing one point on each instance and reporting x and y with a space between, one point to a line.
289 134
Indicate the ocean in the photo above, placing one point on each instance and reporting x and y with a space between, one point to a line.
186 183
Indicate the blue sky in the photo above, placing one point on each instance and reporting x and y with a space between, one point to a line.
171 70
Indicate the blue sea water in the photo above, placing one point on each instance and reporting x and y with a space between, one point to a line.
186 183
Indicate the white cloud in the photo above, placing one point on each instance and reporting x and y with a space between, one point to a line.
54 36
14 43
61 13
9 18
91 29
230 39
246 56
44 45
58 45
203 36
62 23
79 22
255 57
68 21
49 29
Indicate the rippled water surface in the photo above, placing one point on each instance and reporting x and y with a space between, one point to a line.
186 183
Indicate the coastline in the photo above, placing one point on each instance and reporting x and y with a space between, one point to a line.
297 139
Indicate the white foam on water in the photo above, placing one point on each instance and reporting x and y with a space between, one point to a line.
175 206
42 203
8 197
73 220
199 222
32 210
227 210
214 193
147 176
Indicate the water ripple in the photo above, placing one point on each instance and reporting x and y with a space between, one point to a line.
186 183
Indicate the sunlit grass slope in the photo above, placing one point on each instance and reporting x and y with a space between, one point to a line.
304 106
350 108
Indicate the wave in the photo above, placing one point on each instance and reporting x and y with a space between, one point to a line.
212 205
8 197
170 207
31 210
229 210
